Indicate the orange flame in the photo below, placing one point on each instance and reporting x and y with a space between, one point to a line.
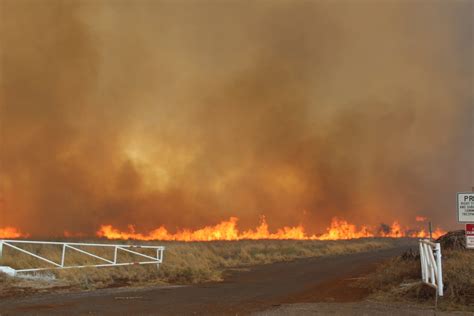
395 231
420 218
227 230
11 233
341 229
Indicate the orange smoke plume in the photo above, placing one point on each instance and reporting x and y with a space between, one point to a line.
227 230
69 234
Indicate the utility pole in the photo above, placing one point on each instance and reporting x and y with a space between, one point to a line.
431 231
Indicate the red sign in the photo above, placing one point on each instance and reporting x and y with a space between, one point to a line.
470 236
469 229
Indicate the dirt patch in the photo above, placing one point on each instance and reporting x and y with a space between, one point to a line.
336 290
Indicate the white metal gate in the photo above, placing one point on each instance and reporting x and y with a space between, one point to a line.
72 246
431 268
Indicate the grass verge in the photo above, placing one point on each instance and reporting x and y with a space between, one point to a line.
399 280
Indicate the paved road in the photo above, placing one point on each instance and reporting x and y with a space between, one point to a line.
243 292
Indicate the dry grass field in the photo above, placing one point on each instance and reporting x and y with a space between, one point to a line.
184 263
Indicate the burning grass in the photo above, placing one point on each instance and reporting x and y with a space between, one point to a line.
185 263
11 233
228 230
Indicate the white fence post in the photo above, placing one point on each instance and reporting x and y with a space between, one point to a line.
440 269
422 258
63 255
431 268
115 254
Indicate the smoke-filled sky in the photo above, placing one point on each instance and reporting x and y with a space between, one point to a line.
183 113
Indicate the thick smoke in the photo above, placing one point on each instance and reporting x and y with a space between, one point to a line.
185 113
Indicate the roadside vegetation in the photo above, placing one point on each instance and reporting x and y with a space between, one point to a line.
184 263
400 278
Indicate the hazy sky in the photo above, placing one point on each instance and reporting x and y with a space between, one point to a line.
184 113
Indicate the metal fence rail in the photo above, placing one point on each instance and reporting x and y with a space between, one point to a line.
73 246
431 268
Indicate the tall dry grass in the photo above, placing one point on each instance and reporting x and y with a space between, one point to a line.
400 279
185 263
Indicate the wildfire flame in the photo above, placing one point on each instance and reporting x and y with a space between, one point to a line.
420 218
227 230
11 233
339 229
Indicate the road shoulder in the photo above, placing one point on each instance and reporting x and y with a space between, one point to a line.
362 308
